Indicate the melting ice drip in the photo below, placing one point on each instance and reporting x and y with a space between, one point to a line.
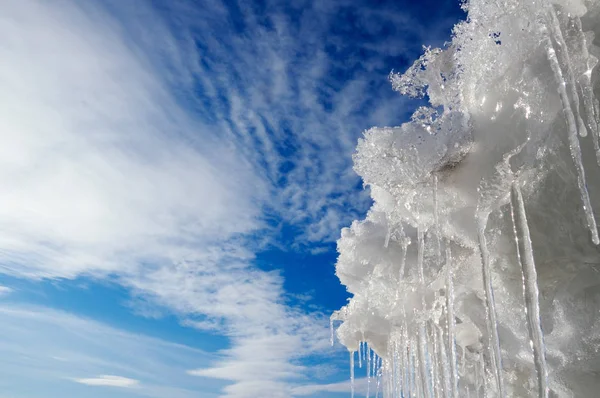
476 271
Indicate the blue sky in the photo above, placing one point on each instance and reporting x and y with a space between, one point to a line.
175 177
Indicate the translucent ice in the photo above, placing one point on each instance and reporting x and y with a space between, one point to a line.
476 271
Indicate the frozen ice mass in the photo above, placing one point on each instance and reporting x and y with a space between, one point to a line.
476 272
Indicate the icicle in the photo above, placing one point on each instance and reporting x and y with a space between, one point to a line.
587 90
374 368
450 320
368 371
412 379
436 216
492 323
391 382
463 361
379 369
409 372
597 137
352 373
376 365
405 242
388 235
571 130
396 371
405 366
424 363
597 111
530 287
420 252
568 69
360 352
387 238
444 360
435 363
406 373
416 383
365 351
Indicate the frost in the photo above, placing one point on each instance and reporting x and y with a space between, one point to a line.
476 271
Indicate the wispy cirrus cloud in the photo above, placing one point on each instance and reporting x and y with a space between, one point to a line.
109 381
109 176
63 354
292 85
101 171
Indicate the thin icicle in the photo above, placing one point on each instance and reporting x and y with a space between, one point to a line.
436 216
463 361
444 360
405 366
435 362
368 372
420 252
360 352
424 363
415 385
597 121
396 374
395 371
585 84
352 374
390 389
567 65
492 323
530 287
389 232
572 131
431 362
379 369
406 375
404 242
450 320
597 112
386 243
410 370
374 368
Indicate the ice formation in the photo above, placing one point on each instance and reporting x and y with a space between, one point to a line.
476 273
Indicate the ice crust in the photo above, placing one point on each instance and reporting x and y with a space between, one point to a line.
477 271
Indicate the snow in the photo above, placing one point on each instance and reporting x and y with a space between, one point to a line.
476 271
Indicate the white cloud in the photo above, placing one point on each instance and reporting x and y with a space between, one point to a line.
268 338
319 250
4 290
283 101
109 381
101 168
41 348
107 175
